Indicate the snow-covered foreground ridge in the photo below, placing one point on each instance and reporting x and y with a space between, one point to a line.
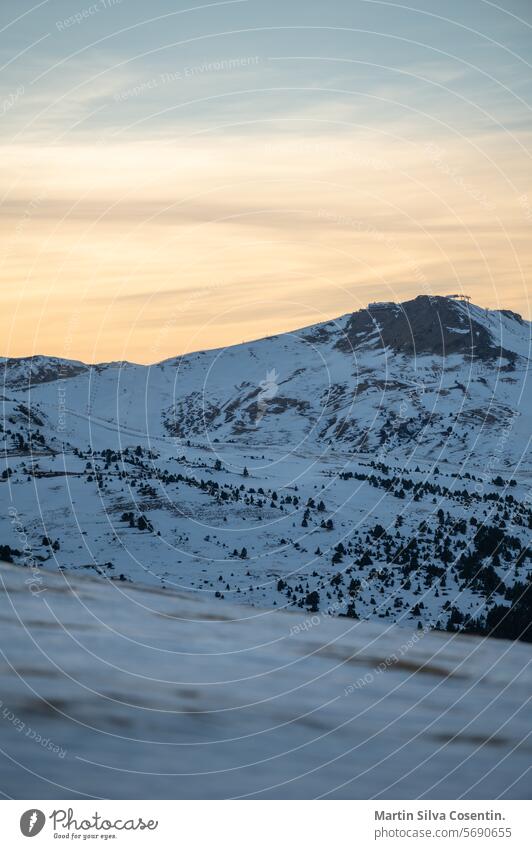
376 466
115 691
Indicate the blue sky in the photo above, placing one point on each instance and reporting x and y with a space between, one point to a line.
476 50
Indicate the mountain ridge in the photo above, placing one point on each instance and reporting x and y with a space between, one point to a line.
371 312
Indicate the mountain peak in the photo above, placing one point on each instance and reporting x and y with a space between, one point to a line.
428 324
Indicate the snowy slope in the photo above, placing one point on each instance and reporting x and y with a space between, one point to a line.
114 691
380 461
375 380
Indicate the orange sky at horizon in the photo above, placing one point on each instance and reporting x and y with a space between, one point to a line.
145 250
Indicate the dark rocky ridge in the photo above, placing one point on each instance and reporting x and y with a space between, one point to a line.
425 325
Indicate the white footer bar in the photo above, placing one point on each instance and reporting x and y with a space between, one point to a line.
266 824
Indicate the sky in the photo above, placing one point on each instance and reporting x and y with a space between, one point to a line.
177 176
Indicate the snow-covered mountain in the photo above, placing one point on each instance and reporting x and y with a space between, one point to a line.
374 466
